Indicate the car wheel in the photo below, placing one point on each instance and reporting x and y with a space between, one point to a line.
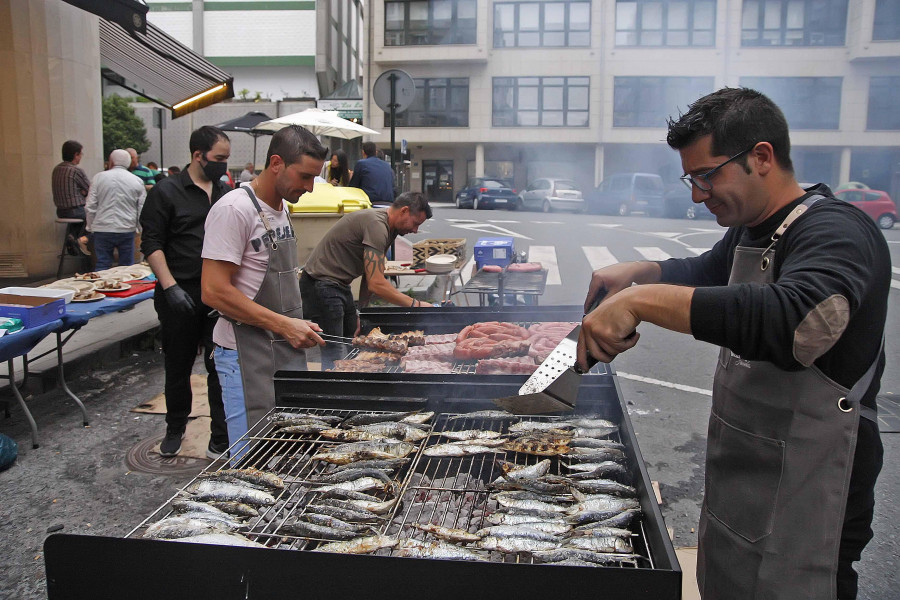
886 221
691 212
459 203
623 210
513 204
476 204
547 207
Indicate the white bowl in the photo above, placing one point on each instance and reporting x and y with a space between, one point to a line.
440 263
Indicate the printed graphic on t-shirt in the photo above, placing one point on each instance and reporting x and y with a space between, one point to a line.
277 234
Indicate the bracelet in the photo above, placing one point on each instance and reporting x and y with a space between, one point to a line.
413 303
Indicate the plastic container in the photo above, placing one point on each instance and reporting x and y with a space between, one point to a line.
43 292
494 251
32 310
326 198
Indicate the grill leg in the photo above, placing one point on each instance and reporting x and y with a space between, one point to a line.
62 379
18 395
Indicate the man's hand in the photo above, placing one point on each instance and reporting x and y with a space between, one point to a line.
615 278
302 334
179 300
607 331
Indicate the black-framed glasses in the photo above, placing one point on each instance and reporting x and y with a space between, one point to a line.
702 181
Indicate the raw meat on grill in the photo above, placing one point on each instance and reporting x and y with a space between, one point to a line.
440 338
494 330
412 338
520 365
545 337
510 348
374 356
411 365
439 352
492 268
356 366
530 267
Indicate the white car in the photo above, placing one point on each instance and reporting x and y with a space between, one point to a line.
549 194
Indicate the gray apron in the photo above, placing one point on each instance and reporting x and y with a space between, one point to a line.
779 455
261 352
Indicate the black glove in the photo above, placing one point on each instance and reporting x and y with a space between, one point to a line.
179 300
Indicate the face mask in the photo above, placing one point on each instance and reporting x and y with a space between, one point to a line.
214 170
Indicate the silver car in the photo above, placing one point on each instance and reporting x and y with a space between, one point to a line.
549 194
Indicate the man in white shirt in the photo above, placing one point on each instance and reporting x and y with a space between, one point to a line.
113 210
250 276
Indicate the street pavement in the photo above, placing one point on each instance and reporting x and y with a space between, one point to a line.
79 477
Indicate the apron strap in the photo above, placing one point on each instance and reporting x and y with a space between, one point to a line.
862 385
792 216
262 216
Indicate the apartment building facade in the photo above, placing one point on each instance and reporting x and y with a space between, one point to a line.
524 89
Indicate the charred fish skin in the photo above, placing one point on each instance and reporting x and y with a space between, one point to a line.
454 450
622 519
590 455
369 418
351 474
528 504
225 520
319 532
471 434
349 513
438 550
180 527
221 491
356 485
517 531
600 544
486 415
514 472
396 430
365 545
600 558
601 531
521 518
301 416
605 486
238 509
378 508
388 465
418 418
303 429
332 522
581 442
515 545
183 505
254 476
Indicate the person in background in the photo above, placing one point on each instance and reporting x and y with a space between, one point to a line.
337 171
173 170
356 246
157 174
145 174
172 224
112 211
795 295
70 188
248 174
249 276
374 176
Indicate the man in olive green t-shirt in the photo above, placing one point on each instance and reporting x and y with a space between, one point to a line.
355 247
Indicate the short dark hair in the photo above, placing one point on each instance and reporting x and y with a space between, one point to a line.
70 149
369 148
152 165
173 169
204 138
737 119
292 143
416 202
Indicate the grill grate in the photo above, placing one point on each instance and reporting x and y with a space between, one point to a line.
450 492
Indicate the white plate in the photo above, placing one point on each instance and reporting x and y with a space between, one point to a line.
122 287
94 298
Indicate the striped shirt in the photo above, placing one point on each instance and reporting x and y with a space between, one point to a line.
70 186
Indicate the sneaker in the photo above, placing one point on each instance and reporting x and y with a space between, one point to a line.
215 451
171 445
83 245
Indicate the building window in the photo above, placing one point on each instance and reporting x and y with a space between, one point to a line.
655 23
807 102
429 22
440 102
650 101
541 101
794 22
887 21
884 104
551 24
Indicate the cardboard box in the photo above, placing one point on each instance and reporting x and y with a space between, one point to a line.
31 310
494 251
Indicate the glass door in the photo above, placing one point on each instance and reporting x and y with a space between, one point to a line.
438 180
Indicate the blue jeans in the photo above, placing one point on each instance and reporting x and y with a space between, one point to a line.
229 369
105 243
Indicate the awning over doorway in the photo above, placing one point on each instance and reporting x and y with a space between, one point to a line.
158 67
130 14
347 100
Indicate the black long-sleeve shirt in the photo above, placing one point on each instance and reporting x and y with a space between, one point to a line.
833 249
172 221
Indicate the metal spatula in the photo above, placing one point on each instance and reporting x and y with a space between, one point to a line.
553 387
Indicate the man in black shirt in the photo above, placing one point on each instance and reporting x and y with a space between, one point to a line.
795 294
172 220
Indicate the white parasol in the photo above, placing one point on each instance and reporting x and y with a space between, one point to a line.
318 122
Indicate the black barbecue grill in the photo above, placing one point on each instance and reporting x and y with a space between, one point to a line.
449 491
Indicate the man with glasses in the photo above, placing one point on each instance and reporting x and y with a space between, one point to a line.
795 294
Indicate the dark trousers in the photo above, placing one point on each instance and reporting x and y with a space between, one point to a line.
104 245
857 531
330 305
181 336
76 230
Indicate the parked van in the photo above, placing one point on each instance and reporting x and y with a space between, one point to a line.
625 193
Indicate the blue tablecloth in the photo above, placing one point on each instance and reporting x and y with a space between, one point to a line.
79 313
13 345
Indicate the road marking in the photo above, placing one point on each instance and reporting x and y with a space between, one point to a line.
653 253
605 225
699 251
491 229
665 234
548 222
668 384
546 255
895 284
461 221
895 270
598 256
705 230
496 221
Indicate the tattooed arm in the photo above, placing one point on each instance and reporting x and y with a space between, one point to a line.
373 265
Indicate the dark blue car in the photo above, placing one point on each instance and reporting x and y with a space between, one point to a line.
487 192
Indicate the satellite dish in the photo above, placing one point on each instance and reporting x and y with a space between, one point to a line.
404 90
